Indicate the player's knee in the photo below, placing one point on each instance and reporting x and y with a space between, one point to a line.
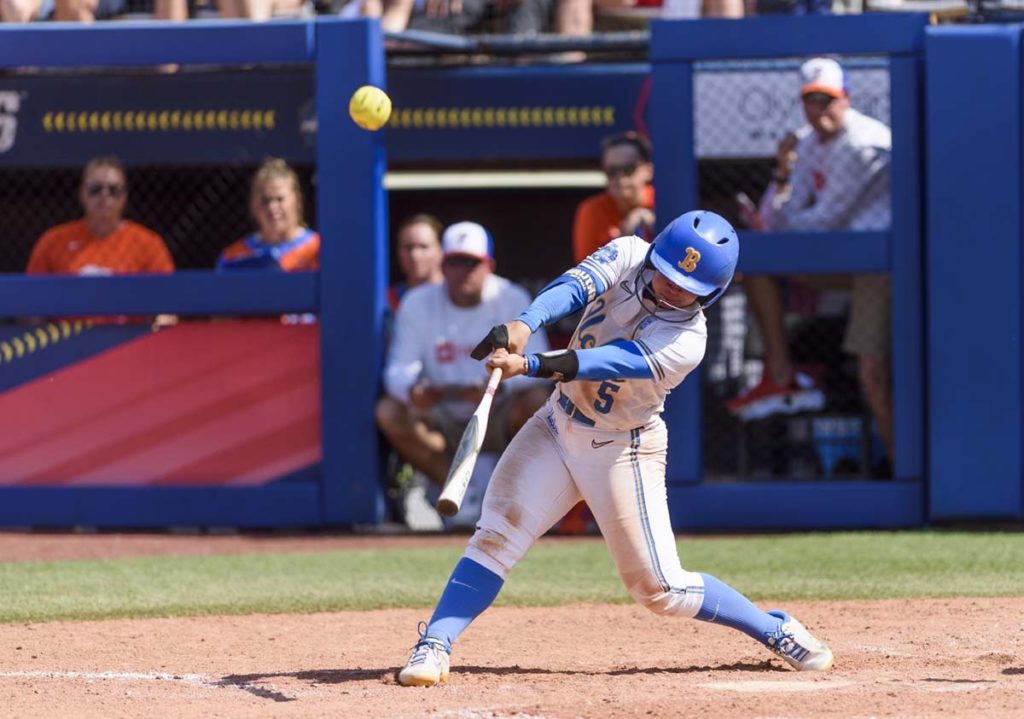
649 593
496 550
659 597
660 602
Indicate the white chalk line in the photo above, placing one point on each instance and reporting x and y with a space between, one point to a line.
194 680
787 686
199 680
791 686
483 714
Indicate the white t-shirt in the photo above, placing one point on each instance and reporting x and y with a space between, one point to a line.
673 343
840 184
433 338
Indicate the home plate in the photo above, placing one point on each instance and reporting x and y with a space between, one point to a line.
777 686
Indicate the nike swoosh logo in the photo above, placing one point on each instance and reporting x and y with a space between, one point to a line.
597 445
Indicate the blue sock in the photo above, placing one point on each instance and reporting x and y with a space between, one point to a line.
724 605
470 590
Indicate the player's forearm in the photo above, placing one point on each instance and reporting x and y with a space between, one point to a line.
618 360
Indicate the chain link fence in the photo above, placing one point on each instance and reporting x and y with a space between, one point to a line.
198 210
793 361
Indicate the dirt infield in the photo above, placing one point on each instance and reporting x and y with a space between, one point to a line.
920 658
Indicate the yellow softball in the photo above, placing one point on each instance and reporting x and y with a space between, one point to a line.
370 107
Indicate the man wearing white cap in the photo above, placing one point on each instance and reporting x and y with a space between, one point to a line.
832 174
432 384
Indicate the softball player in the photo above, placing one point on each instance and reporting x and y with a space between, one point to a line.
600 438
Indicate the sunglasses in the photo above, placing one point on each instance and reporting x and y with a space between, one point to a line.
613 171
820 99
113 189
461 261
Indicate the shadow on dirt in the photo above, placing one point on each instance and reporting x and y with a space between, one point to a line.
251 683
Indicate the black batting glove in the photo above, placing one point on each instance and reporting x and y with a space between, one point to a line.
497 337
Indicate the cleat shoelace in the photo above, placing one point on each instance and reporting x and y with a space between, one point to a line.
425 645
783 643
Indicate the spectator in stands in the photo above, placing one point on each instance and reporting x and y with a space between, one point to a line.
794 7
83 10
462 17
103 242
20 10
260 9
723 8
419 255
91 10
432 383
833 174
627 14
626 207
574 18
281 240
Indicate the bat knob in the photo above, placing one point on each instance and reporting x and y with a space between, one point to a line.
447 508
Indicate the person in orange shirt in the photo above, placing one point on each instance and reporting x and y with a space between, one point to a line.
102 242
626 207
281 241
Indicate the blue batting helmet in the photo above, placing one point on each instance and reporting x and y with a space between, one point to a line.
698 252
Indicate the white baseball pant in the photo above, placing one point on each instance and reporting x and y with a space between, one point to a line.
552 463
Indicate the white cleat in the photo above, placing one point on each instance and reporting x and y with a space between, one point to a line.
798 647
428 664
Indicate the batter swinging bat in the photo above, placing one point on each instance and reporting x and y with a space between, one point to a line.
455 485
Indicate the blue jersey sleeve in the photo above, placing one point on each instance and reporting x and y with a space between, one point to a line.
620 359
566 294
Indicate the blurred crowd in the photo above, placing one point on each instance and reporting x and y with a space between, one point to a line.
521 17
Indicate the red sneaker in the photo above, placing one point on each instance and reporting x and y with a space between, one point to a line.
766 398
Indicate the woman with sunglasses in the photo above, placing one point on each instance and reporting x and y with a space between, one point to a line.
626 207
103 242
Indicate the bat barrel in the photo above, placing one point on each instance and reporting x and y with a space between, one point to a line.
461 471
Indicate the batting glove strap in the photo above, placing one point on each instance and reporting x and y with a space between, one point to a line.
560 366
496 338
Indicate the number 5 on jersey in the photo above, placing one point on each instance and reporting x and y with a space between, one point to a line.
604 401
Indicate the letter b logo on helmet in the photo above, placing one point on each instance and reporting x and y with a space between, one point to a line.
698 252
692 258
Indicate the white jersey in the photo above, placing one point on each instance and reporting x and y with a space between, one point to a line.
433 338
840 184
671 348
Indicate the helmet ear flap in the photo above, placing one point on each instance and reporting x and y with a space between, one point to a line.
708 300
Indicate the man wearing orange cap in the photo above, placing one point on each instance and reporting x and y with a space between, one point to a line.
832 174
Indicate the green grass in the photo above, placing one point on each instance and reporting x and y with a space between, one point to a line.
805 566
